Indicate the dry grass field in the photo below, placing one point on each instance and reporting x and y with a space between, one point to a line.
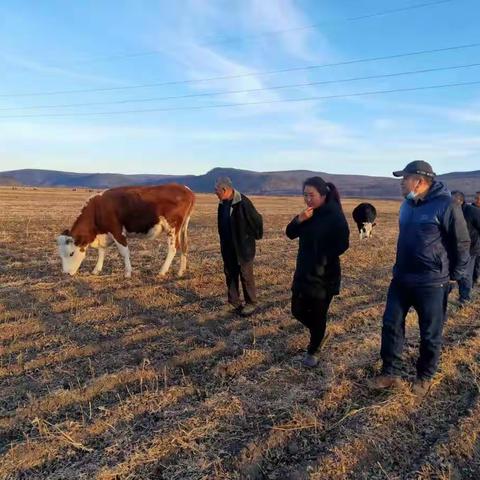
107 378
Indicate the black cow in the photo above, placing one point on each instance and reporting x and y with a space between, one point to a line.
364 216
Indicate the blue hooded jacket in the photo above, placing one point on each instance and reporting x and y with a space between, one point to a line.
433 243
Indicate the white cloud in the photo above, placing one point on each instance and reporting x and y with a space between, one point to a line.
37 67
202 59
324 133
384 123
60 133
264 17
465 115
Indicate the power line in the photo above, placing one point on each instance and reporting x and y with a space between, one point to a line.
245 75
252 90
263 102
380 13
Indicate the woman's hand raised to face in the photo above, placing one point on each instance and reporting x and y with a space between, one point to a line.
305 214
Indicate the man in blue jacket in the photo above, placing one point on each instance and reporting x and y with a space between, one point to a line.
432 250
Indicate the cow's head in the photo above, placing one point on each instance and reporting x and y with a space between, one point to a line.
366 229
71 254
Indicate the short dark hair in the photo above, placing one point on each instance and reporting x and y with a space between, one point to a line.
223 182
458 193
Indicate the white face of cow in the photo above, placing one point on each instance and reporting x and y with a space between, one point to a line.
71 255
366 230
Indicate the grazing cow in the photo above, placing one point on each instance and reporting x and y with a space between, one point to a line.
129 211
364 216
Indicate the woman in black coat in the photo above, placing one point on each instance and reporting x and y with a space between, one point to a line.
323 233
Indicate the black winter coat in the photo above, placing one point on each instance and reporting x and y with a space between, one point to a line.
472 217
323 238
246 227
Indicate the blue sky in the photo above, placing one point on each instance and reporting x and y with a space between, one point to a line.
53 46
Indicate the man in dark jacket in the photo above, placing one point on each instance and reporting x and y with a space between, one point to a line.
476 201
239 226
472 217
433 249
476 268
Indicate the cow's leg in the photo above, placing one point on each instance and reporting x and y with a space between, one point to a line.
121 243
101 258
183 264
172 250
183 240
125 253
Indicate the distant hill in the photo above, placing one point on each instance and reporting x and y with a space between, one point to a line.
262 183
53 178
5 180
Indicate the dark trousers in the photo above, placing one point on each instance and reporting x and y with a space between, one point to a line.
465 284
476 269
312 312
431 306
235 272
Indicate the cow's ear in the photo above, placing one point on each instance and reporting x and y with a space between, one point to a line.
374 224
66 232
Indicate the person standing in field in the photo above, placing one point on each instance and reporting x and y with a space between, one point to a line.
323 235
476 201
432 250
476 268
239 226
472 217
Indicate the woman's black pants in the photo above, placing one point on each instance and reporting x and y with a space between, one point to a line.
312 312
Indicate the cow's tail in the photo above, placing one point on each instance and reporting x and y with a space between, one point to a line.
183 236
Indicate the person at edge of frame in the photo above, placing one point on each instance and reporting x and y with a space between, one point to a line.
476 269
433 251
472 217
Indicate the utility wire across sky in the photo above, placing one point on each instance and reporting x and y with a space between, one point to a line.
252 90
245 75
257 36
230 105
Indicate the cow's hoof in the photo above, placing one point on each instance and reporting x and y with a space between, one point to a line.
95 272
128 275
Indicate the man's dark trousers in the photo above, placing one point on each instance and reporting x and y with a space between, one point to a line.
476 270
235 272
430 302
465 284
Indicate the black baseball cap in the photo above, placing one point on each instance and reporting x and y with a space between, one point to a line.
417 167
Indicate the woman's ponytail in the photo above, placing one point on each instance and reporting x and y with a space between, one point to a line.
333 194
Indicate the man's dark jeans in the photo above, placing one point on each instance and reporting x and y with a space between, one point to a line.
465 284
431 305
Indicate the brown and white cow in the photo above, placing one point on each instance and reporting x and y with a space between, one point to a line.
121 212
